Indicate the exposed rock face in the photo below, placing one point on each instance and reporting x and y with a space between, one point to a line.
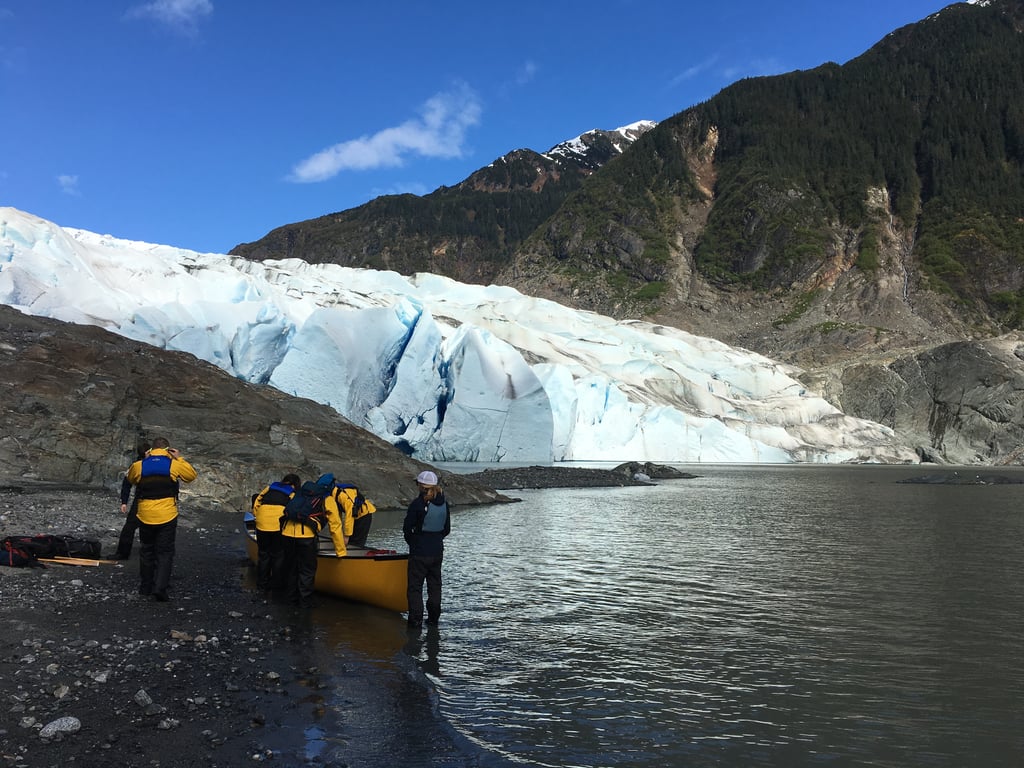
74 401
961 402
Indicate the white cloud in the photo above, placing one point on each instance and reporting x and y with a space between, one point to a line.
691 72
7 52
181 15
527 72
68 184
731 72
439 131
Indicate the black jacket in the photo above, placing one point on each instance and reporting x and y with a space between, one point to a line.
424 533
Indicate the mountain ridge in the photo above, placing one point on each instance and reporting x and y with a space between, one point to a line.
463 231
844 215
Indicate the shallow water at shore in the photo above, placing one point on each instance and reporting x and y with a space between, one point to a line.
750 616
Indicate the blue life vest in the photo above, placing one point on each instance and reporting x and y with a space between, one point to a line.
433 520
277 494
156 481
156 465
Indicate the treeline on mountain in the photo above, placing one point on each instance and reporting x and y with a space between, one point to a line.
921 136
618 227
934 114
464 231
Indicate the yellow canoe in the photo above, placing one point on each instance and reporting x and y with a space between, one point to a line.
363 575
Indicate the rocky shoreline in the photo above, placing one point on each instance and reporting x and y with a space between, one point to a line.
219 676
97 675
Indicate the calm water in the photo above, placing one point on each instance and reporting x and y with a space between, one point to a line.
753 616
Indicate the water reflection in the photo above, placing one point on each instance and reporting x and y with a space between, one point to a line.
753 616
363 632
424 647
316 741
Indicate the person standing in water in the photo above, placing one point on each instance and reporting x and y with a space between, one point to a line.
427 522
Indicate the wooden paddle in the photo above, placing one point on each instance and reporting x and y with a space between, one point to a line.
74 560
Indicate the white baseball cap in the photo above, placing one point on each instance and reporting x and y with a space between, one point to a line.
426 477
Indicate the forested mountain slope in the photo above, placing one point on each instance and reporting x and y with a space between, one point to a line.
465 232
848 217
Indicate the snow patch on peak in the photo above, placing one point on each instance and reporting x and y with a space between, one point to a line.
637 129
620 139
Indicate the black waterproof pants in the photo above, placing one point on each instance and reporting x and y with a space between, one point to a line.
360 530
156 557
127 537
424 569
299 569
270 561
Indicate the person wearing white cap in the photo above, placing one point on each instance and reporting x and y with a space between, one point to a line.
427 522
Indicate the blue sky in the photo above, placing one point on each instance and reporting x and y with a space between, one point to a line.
207 123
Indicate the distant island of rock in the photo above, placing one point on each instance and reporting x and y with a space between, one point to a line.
963 478
630 473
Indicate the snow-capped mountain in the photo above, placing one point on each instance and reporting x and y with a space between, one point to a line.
598 145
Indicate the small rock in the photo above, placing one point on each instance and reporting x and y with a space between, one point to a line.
60 725
142 698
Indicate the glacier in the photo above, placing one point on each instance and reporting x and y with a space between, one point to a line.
445 371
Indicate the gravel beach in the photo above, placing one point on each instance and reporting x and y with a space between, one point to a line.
97 675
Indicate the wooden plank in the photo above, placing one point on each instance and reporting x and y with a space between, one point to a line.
74 560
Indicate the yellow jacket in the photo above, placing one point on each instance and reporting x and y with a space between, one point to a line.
158 492
346 498
339 531
268 509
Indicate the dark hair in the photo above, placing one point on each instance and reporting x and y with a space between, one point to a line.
161 442
292 480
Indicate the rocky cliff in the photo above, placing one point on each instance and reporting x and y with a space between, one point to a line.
74 400
961 402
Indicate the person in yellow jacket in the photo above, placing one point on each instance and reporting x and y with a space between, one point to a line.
300 541
156 477
359 516
267 507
